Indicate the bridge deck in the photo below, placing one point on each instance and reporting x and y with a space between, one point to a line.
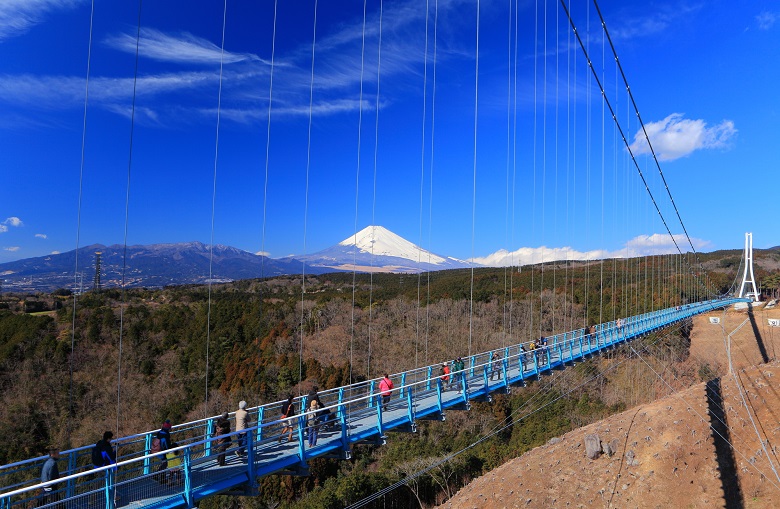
135 481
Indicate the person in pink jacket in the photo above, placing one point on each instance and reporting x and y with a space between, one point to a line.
386 390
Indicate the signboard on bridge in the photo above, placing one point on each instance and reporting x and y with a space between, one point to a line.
774 322
714 319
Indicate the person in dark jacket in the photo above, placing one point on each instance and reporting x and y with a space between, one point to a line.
164 435
288 412
223 442
103 454
49 472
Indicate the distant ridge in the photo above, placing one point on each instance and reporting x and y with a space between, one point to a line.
373 249
152 266
377 249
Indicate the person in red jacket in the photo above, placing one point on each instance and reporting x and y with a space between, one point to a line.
445 374
386 390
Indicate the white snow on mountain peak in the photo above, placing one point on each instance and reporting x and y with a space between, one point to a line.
380 241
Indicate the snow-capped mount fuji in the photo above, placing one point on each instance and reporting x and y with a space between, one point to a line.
377 249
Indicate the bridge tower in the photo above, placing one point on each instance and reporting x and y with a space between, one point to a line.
748 270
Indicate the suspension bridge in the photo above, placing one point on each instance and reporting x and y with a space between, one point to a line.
192 469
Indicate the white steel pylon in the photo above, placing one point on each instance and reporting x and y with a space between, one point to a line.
748 269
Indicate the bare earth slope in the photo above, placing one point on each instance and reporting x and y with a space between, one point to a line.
666 455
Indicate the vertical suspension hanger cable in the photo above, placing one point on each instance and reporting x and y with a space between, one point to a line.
603 170
306 200
474 183
556 162
430 173
373 199
544 169
504 309
357 195
533 172
127 218
265 182
422 186
514 181
76 293
213 209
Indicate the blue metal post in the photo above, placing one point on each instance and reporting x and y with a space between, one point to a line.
108 488
403 385
438 395
72 462
250 459
210 433
379 426
147 459
410 405
301 438
342 412
260 416
430 374
187 466
371 391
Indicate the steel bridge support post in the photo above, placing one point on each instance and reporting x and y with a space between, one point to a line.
301 438
250 460
371 391
379 425
147 459
342 413
187 466
403 386
209 434
430 374
108 488
72 462
438 396
260 415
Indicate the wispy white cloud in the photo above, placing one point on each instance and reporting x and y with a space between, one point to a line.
263 253
19 16
642 245
675 137
3 228
767 20
245 93
41 236
13 221
55 252
183 48
12 249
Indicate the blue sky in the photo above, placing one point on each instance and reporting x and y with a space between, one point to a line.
545 175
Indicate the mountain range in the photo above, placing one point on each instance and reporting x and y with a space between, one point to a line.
373 249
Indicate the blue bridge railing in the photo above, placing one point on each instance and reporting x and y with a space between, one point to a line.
192 470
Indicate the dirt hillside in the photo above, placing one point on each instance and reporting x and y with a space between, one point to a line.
666 454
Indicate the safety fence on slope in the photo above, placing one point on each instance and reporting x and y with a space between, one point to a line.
203 463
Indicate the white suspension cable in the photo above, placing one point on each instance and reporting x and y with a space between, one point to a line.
373 201
213 207
474 183
357 194
306 199
267 156
77 293
127 221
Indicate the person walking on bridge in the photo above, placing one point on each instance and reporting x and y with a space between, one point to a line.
444 373
49 472
386 390
223 442
242 422
288 414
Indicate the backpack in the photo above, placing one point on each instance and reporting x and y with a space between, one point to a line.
156 445
97 456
